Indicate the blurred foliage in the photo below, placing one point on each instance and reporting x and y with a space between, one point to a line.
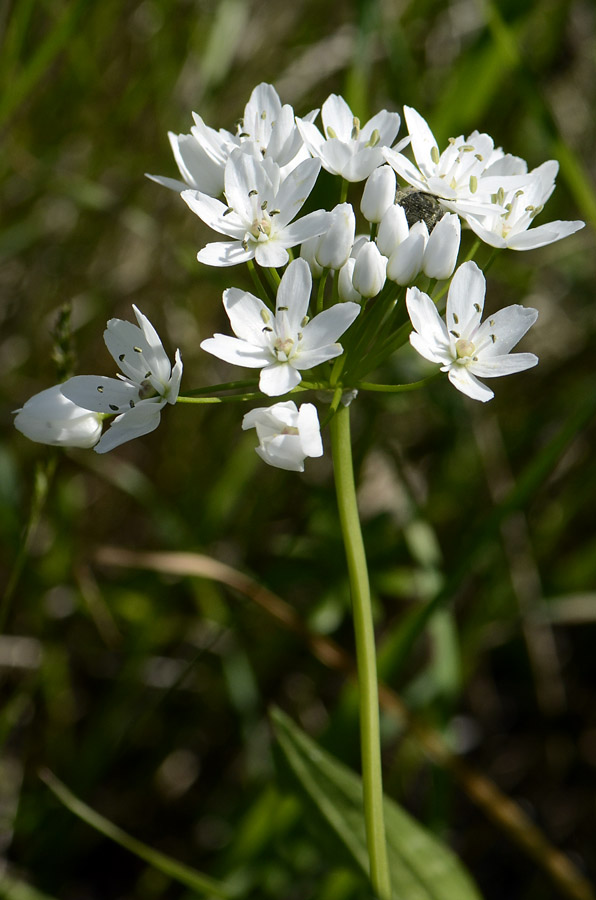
148 693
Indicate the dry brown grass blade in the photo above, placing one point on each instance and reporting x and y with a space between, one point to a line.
502 811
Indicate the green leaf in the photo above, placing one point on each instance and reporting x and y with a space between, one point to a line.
422 868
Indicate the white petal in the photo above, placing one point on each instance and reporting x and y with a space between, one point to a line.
405 168
543 234
295 190
311 225
308 359
502 331
329 325
141 420
213 213
423 140
494 367
440 253
196 166
51 418
386 124
362 163
271 254
293 294
465 300
225 253
279 378
336 114
428 323
309 429
236 352
101 394
468 384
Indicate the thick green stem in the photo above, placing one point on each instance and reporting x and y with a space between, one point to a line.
370 740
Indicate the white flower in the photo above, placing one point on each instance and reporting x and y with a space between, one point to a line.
260 207
412 250
287 435
50 418
465 348
469 170
285 343
507 224
345 148
137 397
378 194
267 129
345 287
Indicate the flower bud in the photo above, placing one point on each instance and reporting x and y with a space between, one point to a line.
345 288
406 260
50 418
392 230
378 194
335 245
440 253
368 276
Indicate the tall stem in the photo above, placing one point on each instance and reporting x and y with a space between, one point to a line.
370 741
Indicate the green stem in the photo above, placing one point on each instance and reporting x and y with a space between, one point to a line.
370 739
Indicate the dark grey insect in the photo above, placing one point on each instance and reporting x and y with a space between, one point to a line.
418 205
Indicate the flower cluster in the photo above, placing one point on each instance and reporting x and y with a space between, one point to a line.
354 265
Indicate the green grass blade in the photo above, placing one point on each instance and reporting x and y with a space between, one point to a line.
198 882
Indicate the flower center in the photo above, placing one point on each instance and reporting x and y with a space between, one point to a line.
465 351
284 348
260 229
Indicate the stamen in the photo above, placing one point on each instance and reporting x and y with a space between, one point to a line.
100 388
455 334
265 316
113 407
477 307
473 184
455 318
121 357
493 338
434 153
304 322
228 211
374 138
479 157
355 128
331 133
137 349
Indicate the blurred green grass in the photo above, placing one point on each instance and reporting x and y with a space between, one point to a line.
94 663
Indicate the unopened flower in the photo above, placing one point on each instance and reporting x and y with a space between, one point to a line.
405 263
368 276
51 418
345 148
267 129
466 349
378 194
258 211
442 247
287 435
137 397
284 344
335 244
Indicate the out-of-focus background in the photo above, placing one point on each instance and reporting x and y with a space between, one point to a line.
148 693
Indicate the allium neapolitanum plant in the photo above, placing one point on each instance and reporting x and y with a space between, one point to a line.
332 302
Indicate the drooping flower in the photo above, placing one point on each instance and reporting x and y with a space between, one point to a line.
466 349
137 397
507 224
287 435
259 211
345 148
284 344
267 129
51 418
